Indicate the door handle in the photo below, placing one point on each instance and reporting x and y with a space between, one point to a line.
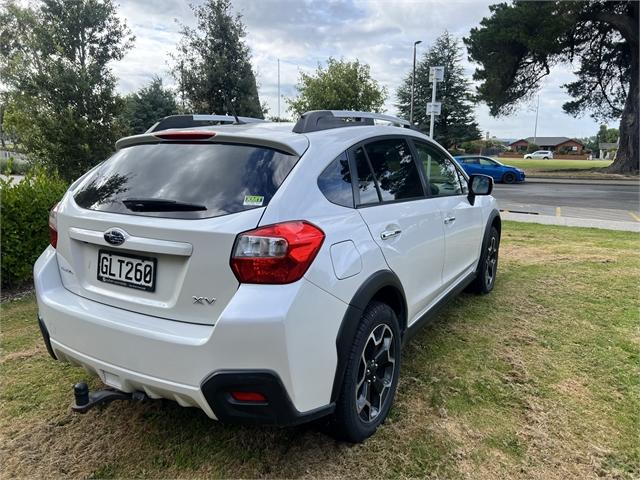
449 220
390 233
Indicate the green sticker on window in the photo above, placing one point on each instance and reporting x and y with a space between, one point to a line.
253 201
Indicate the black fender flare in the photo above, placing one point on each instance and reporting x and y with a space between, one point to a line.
487 229
365 293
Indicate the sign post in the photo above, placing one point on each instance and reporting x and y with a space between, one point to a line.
436 74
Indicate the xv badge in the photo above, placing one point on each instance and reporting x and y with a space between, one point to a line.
202 300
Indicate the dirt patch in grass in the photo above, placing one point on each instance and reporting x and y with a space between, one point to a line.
540 379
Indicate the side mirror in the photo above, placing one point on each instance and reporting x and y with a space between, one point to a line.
479 185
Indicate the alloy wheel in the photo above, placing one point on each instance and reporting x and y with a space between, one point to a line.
491 262
375 373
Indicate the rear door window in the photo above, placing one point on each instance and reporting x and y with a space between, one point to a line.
367 189
394 169
201 180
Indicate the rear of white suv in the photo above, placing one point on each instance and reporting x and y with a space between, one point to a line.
238 268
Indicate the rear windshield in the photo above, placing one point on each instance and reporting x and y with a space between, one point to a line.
201 180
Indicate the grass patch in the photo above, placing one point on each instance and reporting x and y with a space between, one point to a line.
540 379
554 165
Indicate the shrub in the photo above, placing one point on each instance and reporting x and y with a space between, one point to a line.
13 166
24 218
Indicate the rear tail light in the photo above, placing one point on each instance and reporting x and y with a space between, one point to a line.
276 254
53 226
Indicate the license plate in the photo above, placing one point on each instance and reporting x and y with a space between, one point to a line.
127 270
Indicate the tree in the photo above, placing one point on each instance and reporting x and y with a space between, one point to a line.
55 61
607 135
517 46
456 122
342 85
212 65
148 105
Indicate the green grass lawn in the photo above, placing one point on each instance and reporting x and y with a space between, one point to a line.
540 379
554 165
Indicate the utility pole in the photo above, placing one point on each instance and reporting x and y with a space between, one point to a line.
413 80
535 129
182 84
278 89
436 74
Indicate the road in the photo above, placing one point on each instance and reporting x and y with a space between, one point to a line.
596 201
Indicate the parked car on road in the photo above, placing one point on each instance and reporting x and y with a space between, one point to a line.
263 272
544 154
475 164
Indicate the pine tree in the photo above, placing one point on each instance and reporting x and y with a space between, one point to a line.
148 105
212 65
456 123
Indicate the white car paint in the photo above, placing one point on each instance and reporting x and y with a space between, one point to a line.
166 345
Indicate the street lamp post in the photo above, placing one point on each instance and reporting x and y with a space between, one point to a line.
413 79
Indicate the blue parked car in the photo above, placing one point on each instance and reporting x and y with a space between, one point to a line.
488 166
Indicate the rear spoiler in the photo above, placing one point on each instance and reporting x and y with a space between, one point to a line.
190 121
293 145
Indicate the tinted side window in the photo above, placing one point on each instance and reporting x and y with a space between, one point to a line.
488 163
366 183
394 169
441 174
335 182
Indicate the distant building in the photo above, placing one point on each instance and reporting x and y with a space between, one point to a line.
555 144
608 150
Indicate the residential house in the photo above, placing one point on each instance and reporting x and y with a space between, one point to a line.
562 145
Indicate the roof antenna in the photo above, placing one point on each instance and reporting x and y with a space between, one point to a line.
230 107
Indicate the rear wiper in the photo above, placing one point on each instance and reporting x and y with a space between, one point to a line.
160 205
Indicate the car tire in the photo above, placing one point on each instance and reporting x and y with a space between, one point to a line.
509 177
371 376
545 158
488 265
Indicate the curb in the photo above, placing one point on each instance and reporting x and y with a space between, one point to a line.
582 181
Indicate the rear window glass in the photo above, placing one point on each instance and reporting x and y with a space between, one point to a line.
201 180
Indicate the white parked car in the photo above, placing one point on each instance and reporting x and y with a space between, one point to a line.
545 154
263 272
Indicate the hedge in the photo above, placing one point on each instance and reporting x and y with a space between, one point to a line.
24 215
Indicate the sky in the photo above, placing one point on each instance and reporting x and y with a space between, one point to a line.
303 33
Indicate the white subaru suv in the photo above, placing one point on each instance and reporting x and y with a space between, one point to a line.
263 272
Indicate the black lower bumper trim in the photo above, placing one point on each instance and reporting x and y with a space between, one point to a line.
46 338
277 410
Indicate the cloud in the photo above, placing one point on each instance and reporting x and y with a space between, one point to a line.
303 33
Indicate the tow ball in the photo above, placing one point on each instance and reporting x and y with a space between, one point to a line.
85 400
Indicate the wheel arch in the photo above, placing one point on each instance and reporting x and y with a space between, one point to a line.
493 220
383 286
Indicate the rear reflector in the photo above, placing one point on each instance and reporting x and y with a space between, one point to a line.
53 226
185 135
248 397
276 254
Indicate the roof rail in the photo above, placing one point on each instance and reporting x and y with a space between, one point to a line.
188 121
317 120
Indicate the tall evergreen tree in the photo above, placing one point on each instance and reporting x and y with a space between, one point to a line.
520 42
456 123
148 105
55 59
212 64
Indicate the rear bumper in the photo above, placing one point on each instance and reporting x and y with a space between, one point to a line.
288 331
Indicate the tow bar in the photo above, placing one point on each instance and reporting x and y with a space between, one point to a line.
85 401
